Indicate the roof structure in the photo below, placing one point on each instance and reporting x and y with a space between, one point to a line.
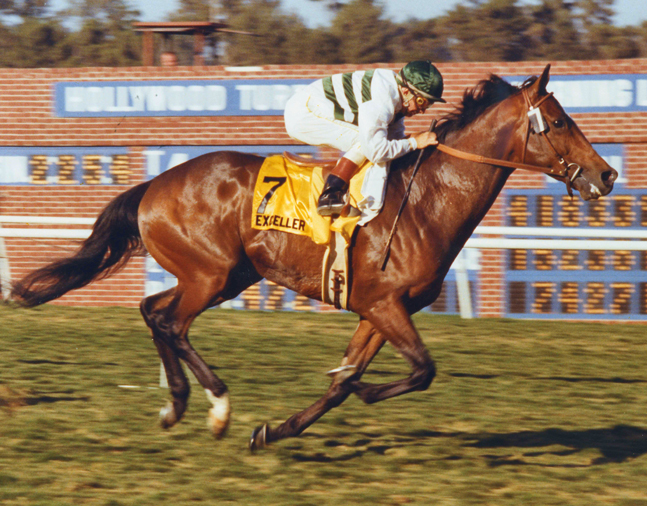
199 30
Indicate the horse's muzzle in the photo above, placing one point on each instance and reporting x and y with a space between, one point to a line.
593 190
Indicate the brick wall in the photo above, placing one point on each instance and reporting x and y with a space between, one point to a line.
26 105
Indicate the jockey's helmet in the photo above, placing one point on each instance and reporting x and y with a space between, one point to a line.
424 79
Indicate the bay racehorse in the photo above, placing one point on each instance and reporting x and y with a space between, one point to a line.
195 220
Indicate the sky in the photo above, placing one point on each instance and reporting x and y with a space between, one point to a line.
628 12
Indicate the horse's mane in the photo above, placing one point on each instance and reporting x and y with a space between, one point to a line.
475 101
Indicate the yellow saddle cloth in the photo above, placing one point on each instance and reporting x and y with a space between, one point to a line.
285 198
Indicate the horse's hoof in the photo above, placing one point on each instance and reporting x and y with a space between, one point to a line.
168 417
219 414
218 427
259 438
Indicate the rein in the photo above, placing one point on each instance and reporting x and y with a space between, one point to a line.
561 174
457 153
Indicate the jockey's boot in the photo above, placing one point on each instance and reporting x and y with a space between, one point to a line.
331 202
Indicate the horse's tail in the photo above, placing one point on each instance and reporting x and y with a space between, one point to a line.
114 240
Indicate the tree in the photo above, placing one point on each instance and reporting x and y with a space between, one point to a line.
552 32
420 40
609 42
475 30
595 12
105 37
640 36
274 34
24 8
492 30
595 20
35 43
97 45
364 37
206 10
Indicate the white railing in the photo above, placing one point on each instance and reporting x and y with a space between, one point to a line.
629 244
47 220
44 233
603 239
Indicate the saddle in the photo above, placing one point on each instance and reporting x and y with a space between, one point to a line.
285 199
326 164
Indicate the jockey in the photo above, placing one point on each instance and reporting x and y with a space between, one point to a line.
362 114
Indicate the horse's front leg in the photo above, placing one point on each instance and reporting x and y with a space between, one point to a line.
364 345
393 321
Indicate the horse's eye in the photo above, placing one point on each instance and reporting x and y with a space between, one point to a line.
559 123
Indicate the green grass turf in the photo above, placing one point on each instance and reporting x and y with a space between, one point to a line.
521 413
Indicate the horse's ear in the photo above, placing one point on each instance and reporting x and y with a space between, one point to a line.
543 80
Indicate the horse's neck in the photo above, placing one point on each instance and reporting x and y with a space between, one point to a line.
466 190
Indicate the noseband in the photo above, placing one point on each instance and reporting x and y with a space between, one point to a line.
537 123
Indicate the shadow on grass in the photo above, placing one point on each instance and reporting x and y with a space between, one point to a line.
48 399
617 445
566 379
593 380
45 362
369 444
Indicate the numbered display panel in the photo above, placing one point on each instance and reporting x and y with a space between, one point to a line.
65 166
576 284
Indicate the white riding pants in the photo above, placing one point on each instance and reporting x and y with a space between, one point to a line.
308 119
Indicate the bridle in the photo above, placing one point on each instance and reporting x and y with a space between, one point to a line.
542 128
538 125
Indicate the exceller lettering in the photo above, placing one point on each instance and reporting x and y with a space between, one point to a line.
280 222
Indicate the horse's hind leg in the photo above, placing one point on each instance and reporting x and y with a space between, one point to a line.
152 308
364 345
169 316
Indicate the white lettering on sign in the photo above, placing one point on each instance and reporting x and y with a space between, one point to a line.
94 99
153 161
155 98
265 97
74 99
177 159
594 93
216 98
195 98
139 98
14 169
641 92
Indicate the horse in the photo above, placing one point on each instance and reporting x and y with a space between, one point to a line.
195 221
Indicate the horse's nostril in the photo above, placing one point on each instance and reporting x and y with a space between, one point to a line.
609 177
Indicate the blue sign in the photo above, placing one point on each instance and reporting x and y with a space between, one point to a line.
267 97
161 158
240 97
598 93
